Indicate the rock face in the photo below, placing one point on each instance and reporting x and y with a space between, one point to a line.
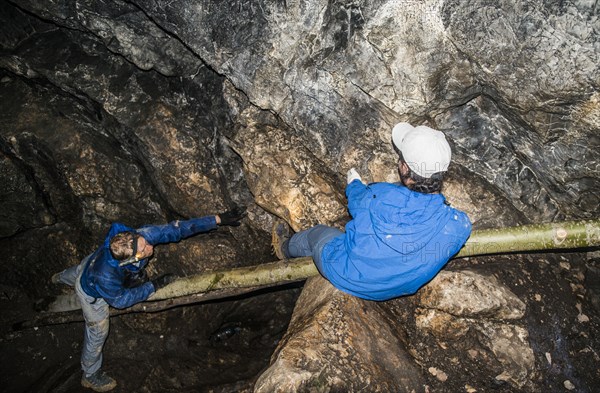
456 302
149 77
341 343
285 177
149 111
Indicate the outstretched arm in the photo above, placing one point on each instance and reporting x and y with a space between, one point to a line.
177 230
181 229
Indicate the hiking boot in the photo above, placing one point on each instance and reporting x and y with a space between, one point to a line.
280 237
43 304
98 382
56 278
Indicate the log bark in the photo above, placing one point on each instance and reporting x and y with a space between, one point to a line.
537 237
232 282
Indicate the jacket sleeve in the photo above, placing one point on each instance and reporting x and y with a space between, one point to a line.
177 230
112 290
355 192
462 232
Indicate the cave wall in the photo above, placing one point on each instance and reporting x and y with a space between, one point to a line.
89 138
515 84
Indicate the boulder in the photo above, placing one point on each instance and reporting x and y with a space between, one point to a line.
337 342
457 303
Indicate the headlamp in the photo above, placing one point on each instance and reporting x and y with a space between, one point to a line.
133 258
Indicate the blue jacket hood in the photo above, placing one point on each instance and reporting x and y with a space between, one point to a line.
400 216
115 228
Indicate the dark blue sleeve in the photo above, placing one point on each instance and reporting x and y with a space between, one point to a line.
177 230
128 297
109 285
355 192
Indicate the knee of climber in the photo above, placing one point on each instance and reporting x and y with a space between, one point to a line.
98 328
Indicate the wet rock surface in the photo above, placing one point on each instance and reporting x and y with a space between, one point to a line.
150 111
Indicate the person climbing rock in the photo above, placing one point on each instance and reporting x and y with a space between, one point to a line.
400 235
114 275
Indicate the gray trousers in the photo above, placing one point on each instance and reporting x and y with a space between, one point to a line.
310 243
95 314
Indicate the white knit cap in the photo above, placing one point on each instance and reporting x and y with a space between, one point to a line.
424 149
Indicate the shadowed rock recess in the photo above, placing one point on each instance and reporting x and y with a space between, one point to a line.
150 111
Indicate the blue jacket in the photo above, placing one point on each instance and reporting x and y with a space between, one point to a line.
396 242
103 278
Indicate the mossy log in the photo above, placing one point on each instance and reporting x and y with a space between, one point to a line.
553 236
231 282
528 238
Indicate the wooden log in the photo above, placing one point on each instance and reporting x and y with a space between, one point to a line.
75 315
231 282
541 237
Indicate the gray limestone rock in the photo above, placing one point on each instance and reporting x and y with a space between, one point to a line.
336 342
284 176
423 61
123 28
467 294
464 67
333 334
458 301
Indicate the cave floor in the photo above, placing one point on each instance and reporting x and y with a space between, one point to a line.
220 346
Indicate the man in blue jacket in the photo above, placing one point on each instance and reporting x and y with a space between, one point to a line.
114 275
400 235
